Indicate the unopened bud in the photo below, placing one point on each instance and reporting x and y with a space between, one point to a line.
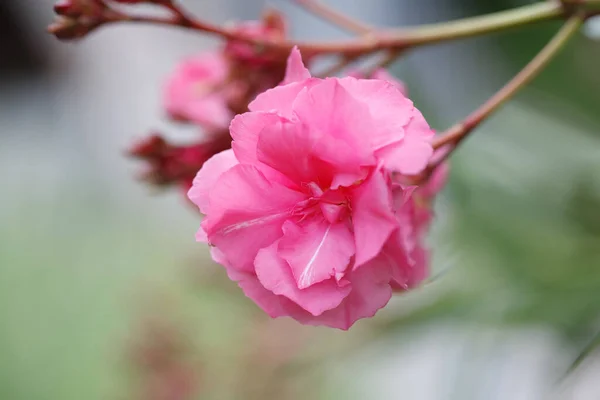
66 28
68 8
150 147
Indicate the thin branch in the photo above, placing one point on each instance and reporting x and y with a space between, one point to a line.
343 21
479 25
388 58
390 39
459 131
329 14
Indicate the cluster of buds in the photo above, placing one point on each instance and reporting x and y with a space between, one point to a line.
167 163
77 18
208 90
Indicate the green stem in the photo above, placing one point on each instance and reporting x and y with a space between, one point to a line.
335 17
458 132
397 38
480 25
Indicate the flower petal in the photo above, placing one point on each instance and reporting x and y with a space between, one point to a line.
295 71
244 130
405 249
247 212
311 152
409 260
329 108
274 274
208 176
288 148
316 250
253 289
372 216
371 291
280 99
390 110
412 154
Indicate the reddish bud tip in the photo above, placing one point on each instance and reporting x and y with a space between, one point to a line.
67 8
149 147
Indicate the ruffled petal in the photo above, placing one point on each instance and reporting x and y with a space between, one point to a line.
244 130
247 212
289 148
253 289
295 71
208 176
280 99
328 108
411 155
316 250
372 216
275 274
371 291
405 250
390 110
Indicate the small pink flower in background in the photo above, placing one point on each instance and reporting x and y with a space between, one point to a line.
210 88
197 91
302 212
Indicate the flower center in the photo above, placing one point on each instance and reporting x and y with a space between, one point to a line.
332 203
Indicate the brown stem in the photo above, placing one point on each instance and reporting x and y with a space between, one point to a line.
391 39
388 58
329 14
458 132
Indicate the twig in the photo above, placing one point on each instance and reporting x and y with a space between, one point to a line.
389 57
337 18
329 14
458 132
391 39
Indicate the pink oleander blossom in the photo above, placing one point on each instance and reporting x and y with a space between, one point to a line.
197 91
302 211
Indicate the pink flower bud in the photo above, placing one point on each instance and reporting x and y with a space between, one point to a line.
197 91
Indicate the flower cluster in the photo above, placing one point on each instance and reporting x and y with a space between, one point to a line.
307 211
320 205
208 90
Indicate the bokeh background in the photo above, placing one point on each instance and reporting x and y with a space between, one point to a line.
105 295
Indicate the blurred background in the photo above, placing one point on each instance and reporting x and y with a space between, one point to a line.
105 295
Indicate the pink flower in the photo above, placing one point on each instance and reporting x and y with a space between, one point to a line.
302 212
197 91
